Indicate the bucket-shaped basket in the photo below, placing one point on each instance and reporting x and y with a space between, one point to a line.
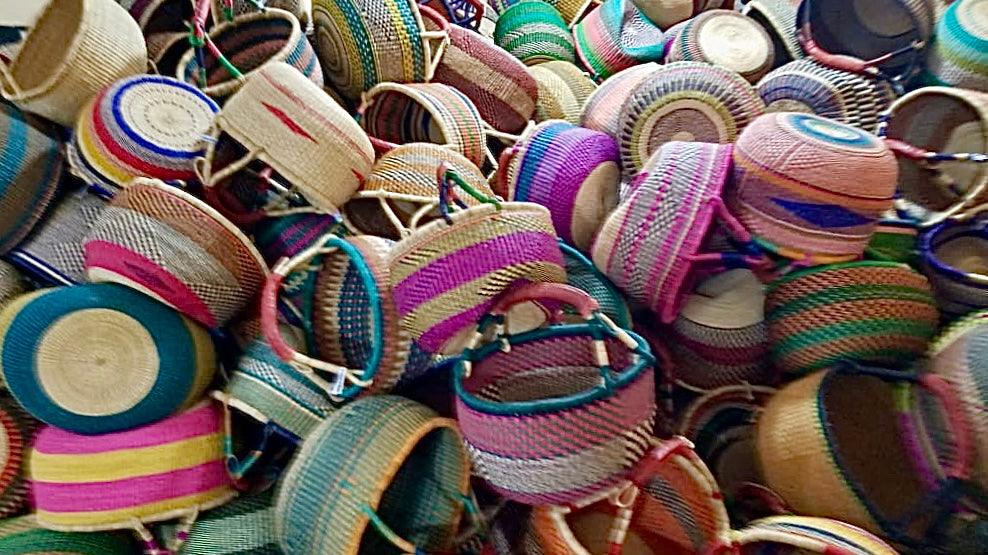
685 101
778 18
821 206
727 39
602 110
17 429
406 483
616 36
516 406
958 56
876 312
804 534
563 90
100 358
73 50
953 257
534 32
24 536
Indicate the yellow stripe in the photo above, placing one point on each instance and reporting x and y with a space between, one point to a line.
95 156
202 344
124 464
103 519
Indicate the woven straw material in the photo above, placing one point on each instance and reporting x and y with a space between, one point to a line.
534 32
445 277
12 283
403 181
778 18
953 259
245 526
17 430
572 171
298 8
384 456
24 536
144 126
30 170
719 337
616 36
563 90
810 188
958 56
75 49
168 244
100 358
251 42
645 245
894 240
602 110
153 473
362 43
727 39
805 534
685 101
666 13
808 87
582 274
877 312
291 125
429 113
289 235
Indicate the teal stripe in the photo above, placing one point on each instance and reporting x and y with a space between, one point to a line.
851 293
859 328
14 148
11 164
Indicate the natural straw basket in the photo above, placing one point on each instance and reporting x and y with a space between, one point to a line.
405 485
100 358
666 13
74 49
534 32
727 39
563 89
778 18
804 534
616 36
602 110
17 429
24 536
958 56
518 406
953 256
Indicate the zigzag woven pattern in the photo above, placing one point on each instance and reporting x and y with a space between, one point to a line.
534 32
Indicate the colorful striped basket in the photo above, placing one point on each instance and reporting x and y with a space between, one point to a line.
563 90
245 526
287 125
808 87
719 337
616 36
821 205
448 273
382 473
168 244
727 39
602 110
582 274
12 283
684 101
73 50
363 43
24 536
401 192
804 534
99 358
650 246
939 138
877 312
572 171
953 257
534 32
17 429
894 240
957 57
143 126
30 169
778 18
249 43
671 506
519 408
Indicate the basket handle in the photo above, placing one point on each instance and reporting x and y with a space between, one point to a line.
447 178
150 545
441 35
566 294
8 85
235 467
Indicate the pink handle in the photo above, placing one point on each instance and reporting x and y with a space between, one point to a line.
961 428
433 15
269 317
906 150
836 61
571 296
646 468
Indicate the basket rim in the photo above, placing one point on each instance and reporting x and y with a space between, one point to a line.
819 269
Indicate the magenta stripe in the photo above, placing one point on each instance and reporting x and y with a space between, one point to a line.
120 494
197 422
433 339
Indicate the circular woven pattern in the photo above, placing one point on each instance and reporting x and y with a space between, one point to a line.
685 101
616 36
24 536
953 256
563 89
12 283
400 462
727 39
778 18
810 188
145 126
17 430
959 54
602 110
875 312
534 32
100 358
808 87
30 170
166 243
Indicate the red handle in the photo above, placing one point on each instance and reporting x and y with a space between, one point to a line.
434 16
571 296
269 317
836 61
905 149
646 468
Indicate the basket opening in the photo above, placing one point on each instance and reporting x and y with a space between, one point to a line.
592 526
399 118
247 44
168 16
965 253
423 497
367 215
342 316
866 29
48 45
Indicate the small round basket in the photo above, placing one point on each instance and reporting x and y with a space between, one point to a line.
616 36
953 257
726 39
778 18
563 90
602 110
958 56
534 32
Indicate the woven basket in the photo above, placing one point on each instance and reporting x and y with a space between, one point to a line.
719 337
298 8
534 32
673 508
74 49
894 240
24 536
572 171
957 57
616 36
363 43
563 90
953 258
430 113
878 312
17 430
821 206
448 273
582 274
382 473
144 126
650 246
401 193
166 243
940 137
802 534
685 101
245 526
99 358
778 18
808 87
727 39
467 14
517 406
666 13
602 110
12 283
30 170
